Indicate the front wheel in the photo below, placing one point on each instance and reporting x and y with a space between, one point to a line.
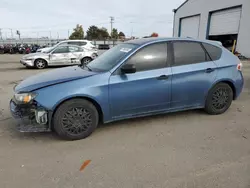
40 64
219 99
85 61
75 119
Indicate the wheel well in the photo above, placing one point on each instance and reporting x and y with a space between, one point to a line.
98 107
87 57
41 59
232 87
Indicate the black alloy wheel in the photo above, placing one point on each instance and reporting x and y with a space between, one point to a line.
85 61
75 119
219 99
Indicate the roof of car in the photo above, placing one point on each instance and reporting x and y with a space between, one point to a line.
144 41
75 41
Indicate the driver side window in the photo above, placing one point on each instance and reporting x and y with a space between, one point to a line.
151 57
61 49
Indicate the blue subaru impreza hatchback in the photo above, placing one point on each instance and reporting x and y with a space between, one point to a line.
136 78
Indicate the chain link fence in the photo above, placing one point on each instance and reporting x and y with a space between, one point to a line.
46 41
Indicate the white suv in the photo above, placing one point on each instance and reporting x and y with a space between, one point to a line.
86 44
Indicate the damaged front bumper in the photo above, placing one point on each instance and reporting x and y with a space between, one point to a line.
30 117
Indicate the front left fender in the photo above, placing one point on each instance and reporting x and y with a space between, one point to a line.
50 97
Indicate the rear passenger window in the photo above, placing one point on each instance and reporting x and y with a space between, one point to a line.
213 51
186 53
82 43
73 43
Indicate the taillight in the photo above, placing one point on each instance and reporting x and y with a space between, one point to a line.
239 67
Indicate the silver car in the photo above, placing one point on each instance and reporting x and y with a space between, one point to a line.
85 44
60 55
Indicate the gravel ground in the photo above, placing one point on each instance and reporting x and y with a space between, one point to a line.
183 150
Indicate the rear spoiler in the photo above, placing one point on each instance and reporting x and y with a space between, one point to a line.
215 42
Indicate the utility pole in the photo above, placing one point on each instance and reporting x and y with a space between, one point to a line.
68 33
111 25
1 37
11 33
37 36
132 29
50 37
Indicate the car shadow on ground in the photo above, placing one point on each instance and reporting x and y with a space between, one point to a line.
102 128
144 120
23 68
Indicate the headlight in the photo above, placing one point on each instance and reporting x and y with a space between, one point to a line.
28 59
24 98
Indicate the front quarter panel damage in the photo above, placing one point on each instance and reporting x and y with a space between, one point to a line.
94 88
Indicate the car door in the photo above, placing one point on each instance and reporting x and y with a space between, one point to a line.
60 56
146 91
75 54
193 74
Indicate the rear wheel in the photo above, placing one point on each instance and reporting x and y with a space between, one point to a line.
40 64
85 61
75 119
219 99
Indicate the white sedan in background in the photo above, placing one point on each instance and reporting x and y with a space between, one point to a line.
59 55
85 44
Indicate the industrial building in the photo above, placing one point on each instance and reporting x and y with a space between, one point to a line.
227 21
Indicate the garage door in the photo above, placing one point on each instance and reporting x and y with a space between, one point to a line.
225 22
190 27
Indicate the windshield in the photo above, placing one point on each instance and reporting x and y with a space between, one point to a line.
50 50
110 58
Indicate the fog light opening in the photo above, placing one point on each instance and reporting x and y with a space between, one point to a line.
41 116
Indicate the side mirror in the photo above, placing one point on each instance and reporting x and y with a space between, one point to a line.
128 69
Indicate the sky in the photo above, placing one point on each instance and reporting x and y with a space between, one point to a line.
40 18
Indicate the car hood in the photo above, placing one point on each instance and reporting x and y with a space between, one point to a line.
34 55
52 77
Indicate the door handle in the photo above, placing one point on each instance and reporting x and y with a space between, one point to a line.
162 77
209 70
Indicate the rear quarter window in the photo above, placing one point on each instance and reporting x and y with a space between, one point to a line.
213 51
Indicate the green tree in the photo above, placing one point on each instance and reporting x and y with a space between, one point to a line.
78 33
92 32
103 33
121 34
114 34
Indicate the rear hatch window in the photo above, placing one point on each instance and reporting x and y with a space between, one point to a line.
213 51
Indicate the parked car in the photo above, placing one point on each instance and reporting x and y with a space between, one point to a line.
86 44
16 48
136 78
34 48
60 55
103 47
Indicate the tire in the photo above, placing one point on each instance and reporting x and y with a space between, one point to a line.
69 118
40 64
219 99
86 60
